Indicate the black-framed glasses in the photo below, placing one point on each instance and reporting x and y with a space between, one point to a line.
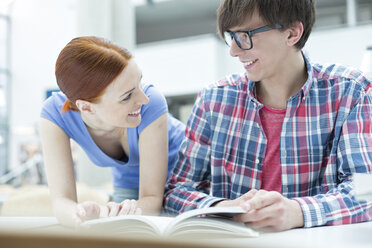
244 38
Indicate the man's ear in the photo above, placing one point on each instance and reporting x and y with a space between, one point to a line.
295 33
84 106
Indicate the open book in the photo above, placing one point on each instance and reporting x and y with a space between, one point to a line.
363 186
202 223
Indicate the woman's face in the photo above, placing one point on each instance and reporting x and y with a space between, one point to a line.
120 105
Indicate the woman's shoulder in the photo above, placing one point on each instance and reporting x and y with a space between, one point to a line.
151 91
55 99
53 104
156 97
52 110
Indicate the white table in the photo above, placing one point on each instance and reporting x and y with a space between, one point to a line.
342 236
48 230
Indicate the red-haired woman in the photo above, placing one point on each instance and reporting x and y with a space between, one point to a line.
119 123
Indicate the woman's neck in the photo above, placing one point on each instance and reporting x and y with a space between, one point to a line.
99 128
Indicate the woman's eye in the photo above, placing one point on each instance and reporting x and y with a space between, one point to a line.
128 97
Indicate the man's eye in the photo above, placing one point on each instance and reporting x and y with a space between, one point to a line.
128 97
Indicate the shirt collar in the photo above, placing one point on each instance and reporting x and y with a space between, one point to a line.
306 87
304 90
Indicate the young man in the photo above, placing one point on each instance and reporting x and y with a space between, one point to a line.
283 139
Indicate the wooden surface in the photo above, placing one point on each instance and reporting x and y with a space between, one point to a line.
44 232
31 240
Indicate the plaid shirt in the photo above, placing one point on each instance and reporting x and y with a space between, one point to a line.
326 136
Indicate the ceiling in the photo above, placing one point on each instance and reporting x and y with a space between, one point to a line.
173 19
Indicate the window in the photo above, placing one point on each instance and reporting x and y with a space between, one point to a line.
4 86
334 13
364 11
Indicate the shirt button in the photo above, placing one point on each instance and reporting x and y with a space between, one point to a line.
257 161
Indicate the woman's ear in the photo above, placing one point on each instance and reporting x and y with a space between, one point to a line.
295 33
84 106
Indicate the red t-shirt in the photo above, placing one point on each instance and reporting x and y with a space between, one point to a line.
272 121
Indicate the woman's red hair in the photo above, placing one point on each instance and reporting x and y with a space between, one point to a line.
86 66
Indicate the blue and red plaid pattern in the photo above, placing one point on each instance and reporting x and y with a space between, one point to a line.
326 136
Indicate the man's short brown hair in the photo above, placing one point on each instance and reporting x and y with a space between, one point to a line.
233 13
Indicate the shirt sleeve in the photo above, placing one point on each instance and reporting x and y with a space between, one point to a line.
354 155
49 108
189 183
52 111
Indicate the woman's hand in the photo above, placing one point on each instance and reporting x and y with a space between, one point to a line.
91 210
126 207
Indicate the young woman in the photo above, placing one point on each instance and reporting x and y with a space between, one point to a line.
117 121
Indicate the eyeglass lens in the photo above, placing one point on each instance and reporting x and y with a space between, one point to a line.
242 39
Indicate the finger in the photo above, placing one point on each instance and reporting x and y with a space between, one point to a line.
245 217
103 211
113 208
269 224
80 211
125 207
263 199
133 206
261 223
77 221
254 215
138 211
263 205
245 198
91 210
240 201
249 195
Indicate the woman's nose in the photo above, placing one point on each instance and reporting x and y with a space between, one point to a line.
143 98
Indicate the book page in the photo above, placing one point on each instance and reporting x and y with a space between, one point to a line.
129 225
211 227
227 211
363 186
216 222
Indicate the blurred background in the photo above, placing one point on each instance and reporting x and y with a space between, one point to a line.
175 43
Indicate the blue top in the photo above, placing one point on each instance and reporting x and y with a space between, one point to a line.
125 173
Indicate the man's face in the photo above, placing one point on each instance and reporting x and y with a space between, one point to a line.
267 57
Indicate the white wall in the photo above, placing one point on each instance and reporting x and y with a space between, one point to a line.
185 65
40 29
344 45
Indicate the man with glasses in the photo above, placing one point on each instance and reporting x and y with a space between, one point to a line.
283 139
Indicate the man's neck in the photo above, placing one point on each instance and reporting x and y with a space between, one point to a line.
275 92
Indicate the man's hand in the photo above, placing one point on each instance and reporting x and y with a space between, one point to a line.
267 209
